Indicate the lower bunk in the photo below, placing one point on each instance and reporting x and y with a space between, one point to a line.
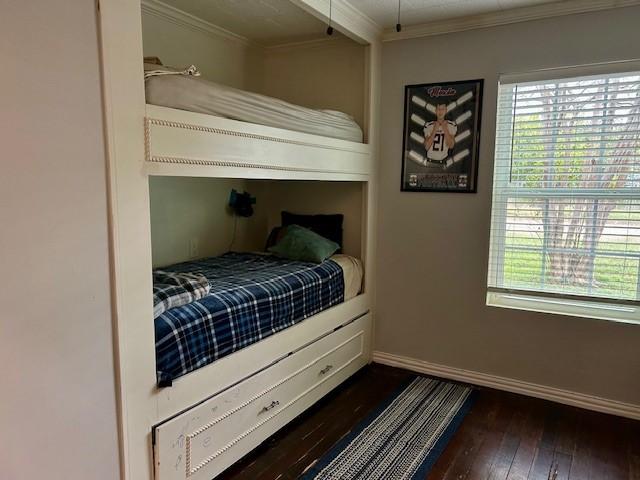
209 308
245 342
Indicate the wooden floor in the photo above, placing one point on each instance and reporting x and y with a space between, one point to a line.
505 436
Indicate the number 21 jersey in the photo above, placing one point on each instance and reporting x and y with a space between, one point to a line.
439 149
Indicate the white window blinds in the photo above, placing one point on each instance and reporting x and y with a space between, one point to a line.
566 197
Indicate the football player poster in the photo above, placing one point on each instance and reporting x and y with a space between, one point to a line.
441 136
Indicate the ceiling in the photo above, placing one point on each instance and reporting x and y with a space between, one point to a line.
262 21
276 22
415 12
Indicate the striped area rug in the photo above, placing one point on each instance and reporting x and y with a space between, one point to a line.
402 438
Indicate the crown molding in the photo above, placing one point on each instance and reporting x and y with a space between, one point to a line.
354 21
325 42
183 19
524 14
356 17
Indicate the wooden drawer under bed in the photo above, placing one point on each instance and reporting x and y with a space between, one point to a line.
202 442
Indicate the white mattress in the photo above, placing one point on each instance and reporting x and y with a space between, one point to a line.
194 94
353 273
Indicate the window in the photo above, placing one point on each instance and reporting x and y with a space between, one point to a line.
566 195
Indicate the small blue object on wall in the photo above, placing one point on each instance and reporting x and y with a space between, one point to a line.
241 203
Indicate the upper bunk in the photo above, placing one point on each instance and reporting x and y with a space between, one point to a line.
183 143
275 96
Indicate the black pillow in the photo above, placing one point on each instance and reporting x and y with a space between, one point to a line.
329 226
273 237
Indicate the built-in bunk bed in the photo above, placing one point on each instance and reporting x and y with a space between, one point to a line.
216 353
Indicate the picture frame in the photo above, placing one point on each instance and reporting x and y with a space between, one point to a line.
441 136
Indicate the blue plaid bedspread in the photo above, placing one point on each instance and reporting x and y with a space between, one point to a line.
252 297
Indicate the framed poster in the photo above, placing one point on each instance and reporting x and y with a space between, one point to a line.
441 136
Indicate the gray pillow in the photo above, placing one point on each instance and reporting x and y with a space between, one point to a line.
299 243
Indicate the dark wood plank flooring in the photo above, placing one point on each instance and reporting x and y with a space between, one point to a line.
504 437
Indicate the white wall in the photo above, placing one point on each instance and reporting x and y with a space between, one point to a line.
324 75
58 408
184 209
433 247
219 59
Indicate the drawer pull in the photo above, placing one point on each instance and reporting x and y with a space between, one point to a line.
272 405
326 369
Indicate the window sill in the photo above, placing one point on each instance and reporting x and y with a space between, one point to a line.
575 308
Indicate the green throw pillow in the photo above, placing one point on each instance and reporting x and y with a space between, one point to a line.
299 243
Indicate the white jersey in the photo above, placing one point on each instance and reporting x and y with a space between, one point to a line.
439 149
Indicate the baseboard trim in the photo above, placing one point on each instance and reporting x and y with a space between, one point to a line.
581 400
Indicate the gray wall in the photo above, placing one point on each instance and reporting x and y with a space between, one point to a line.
58 404
433 247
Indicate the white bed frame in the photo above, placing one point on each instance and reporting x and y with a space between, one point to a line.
196 386
177 138
144 140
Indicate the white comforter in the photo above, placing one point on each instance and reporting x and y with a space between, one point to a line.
185 91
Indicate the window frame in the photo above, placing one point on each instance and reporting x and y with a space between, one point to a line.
617 310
